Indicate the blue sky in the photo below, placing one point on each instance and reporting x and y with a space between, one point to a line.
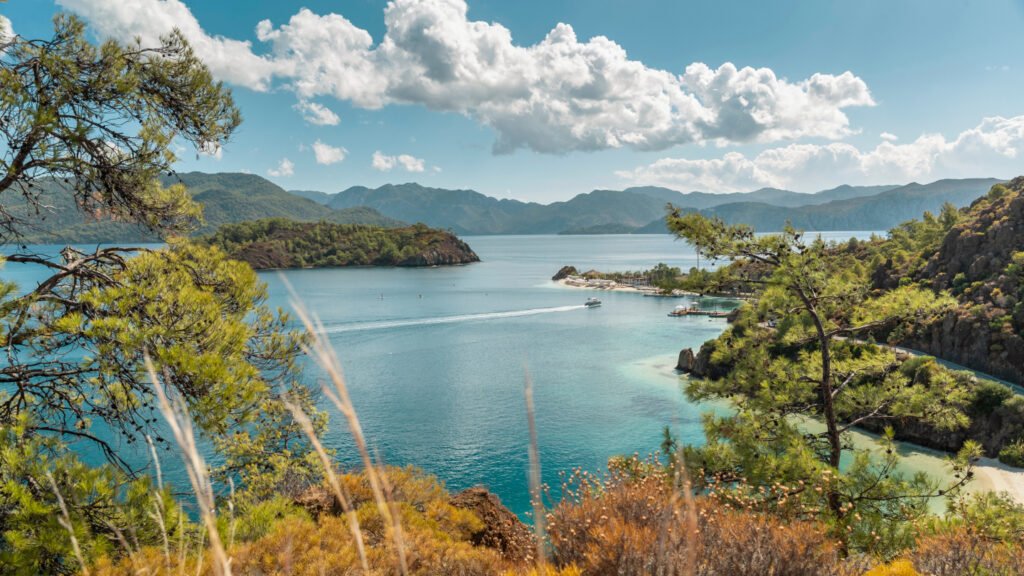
504 98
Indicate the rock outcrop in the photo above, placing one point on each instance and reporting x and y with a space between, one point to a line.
981 261
502 531
565 272
686 360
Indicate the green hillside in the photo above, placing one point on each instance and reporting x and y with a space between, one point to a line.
226 198
280 243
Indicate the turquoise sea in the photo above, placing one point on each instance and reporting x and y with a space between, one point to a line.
435 358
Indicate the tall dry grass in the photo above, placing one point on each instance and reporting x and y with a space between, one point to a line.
177 416
65 522
340 492
534 477
321 350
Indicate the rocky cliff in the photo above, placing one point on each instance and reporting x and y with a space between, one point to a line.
981 261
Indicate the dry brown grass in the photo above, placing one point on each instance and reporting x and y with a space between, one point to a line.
437 536
966 552
628 525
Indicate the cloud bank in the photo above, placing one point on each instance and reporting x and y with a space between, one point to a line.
285 168
317 114
996 143
556 96
327 154
384 163
6 29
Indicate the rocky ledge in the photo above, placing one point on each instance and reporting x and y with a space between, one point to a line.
502 530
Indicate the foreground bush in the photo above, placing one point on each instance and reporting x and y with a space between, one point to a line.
644 525
626 524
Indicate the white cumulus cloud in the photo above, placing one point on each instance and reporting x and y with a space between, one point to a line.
6 29
327 154
317 114
558 95
888 136
285 168
212 150
230 60
385 163
992 148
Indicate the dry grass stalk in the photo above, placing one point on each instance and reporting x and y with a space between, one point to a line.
65 521
176 414
199 556
182 548
535 487
156 463
159 517
689 508
231 511
129 552
324 354
340 493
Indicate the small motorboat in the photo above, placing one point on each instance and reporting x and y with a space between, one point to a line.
685 311
592 303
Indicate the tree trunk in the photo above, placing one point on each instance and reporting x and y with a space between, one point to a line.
828 411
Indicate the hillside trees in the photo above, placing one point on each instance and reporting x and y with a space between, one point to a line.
102 122
799 354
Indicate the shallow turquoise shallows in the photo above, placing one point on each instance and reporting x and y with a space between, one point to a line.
436 358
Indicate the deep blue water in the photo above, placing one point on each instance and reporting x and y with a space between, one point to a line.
435 358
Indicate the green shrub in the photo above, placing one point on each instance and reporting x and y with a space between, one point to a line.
988 396
1013 454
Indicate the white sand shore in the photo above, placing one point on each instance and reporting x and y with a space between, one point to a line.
612 287
993 475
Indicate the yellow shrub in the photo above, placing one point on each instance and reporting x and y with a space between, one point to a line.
895 568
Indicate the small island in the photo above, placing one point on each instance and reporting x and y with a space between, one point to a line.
661 280
279 243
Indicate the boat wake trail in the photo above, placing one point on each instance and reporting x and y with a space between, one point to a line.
360 326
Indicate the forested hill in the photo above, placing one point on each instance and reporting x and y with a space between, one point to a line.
279 243
226 198
978 255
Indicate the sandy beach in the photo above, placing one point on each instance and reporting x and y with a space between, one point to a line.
992 475
612 287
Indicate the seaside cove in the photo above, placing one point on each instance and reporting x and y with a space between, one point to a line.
435 359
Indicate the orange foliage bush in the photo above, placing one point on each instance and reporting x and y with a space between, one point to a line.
635 521
628 524
966 552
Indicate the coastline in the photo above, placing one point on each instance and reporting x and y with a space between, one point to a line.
990 475
993 476
611 286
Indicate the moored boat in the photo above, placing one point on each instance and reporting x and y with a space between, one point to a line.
687 311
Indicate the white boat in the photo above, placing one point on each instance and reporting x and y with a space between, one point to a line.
592 303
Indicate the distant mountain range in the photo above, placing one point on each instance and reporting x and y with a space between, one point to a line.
641 210
231 198
226 198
